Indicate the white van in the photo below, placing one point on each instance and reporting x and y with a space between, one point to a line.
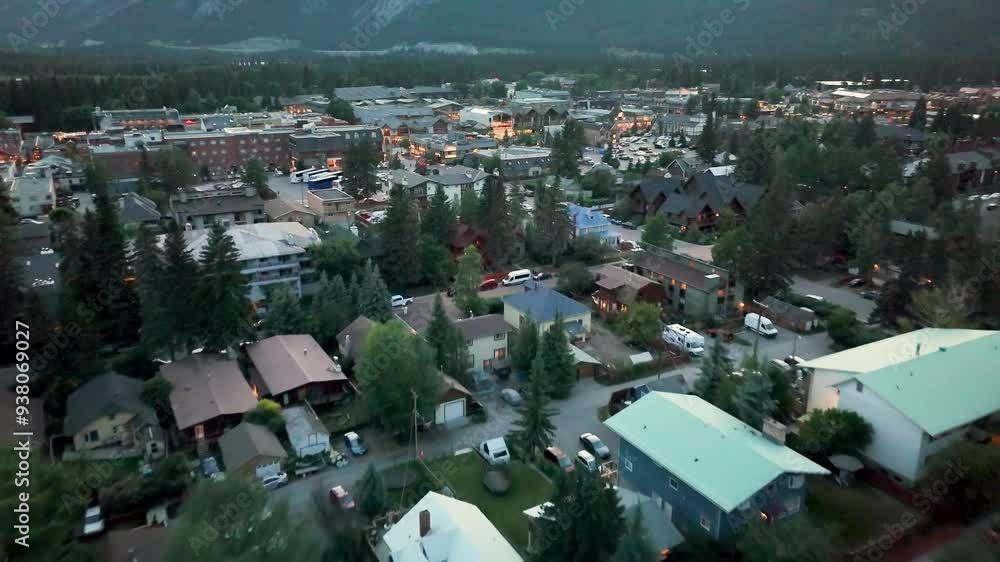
684 338
517 277
760 324
495 451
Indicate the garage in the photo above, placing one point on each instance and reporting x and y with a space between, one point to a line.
450 411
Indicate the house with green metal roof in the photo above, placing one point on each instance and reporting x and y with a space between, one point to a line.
923 404
709 472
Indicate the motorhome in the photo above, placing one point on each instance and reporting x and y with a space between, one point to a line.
684 338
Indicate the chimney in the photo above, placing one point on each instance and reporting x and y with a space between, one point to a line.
774 430
305 351
918 349
425 522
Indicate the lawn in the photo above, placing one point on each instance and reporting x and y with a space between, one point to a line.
859 512
464 475
338 419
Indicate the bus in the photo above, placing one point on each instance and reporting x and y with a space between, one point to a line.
297 177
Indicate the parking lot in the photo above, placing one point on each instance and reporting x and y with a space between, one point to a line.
848 298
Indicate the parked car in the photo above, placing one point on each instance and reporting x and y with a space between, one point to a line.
93 521
400 300
495 451
782 365
339 496
517 277
555 455
594 444
628 225
489 284
274 481
542 275
355 444
511 396
871 294
586 461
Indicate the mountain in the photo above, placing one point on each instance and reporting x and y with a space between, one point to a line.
686 28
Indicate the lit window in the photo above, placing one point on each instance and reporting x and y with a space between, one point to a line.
500 353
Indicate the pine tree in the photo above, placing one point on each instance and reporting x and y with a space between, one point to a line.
534 430
708 141
864 134
118 316
716 367
11 301
753 401
179 281
918 118
634 545
400 233
256 175
570 533
372 497
656 232
284 312
470 267
526 343
332 309
374 300
360 162
468 208
225 306
439 222
149 267
439 331
557 360
552 225
498 222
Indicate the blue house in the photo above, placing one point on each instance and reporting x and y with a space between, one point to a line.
709 472
543 305
590 222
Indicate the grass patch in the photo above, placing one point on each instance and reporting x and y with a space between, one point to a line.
858 513
464 474
339 419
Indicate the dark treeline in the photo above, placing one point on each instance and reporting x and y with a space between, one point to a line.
61 89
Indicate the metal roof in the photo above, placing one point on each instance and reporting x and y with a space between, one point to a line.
890 351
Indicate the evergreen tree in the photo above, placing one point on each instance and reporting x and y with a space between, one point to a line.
656 232
534 430
557 360
372 496
360 162
180 280
708 140
395 163
568 531
525 345
552 226
11 300
468 208
175 169
148 265
864 134
284 313
437 265
470 267
498 222
332 309
753 401
938 173
449 345
439 221
918 118
374 300
256 175
716 367
439 331
634 545
341 109
400 233
225 307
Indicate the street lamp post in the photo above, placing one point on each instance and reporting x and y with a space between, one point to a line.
757 331
795 344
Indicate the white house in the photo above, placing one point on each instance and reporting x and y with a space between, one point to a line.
488 341
828 371
921 405
443 529
33 195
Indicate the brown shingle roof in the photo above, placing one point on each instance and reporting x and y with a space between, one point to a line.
681 272
246 442
206 385
290 361
352 338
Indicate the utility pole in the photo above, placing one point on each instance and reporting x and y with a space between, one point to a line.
757 331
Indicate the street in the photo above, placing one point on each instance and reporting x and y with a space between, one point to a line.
837 295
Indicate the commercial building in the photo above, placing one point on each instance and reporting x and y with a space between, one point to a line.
449 148
228 204
31 196
228 151
325 147
166 118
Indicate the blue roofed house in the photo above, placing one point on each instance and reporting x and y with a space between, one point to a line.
587 222
542 305
709 472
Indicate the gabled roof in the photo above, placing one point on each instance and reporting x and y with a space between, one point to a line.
106 395
682 272
352 338
206 386
890 351
586 218
724 459
542 304
482 326
135 208
288 362
789 310
459 532
943 389
246 442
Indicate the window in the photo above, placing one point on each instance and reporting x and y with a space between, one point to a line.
487 364
705 523
499 336
627 464
672 483
796 481
793 505
500 353
91 436
859 387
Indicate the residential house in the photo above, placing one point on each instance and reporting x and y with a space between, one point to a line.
971 169
455 402
543 305
140 544
588 222
269 254
694 289
921 405
684 168
333 205
369 246
708 472
287 210
418 314
252 450
619 289
825 373
351 340
292 368
136 209
488 341
516 161
31 196
228 204
209 394
697 202
306 432
108 412
443 529
787 315
454 181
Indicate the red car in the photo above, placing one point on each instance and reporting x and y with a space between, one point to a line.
556 455
341 497
489 284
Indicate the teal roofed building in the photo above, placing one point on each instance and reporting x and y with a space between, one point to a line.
709 472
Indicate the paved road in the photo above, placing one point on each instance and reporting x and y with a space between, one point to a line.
842 296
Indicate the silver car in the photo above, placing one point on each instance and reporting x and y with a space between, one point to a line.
274 481
594 444
510 396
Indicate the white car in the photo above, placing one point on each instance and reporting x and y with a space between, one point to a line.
400 300
93 523
274 481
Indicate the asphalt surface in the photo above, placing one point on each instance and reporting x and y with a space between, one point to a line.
843 296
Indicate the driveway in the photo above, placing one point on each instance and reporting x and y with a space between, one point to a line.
841 296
